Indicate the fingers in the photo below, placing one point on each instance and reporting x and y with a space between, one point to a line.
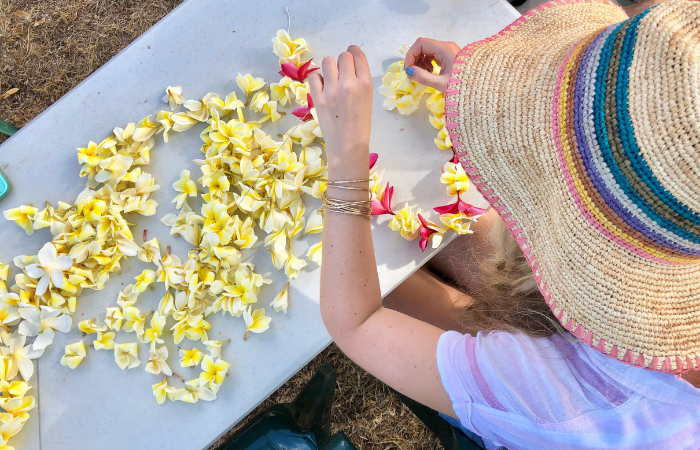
316 85
330 72
361 64
426 78
429 49
346 65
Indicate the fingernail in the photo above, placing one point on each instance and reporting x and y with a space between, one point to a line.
409 71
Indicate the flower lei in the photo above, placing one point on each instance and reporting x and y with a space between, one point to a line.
404 95
251 182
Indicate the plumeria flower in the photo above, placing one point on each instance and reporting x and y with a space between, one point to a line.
133 320
304 112
104 341
182 122
288 50
193 392
185 187
406 222
382 203
259 100
455 178
316 189
315 254
9 429
373 157
255 322
22 216
143 280
127 355
279 257
190 358
19 358
114 318
91 326
13 388
281 300
157 362
460 207
427 230
457 222
173 97
244 234
280 91
43 218
270 112
9 314
297 73
197 109
293 265
113 169
74 354
213 372
401 92
248 84
214 347
149 251
41 322
144 130
314 224
231 103
50 267
4 273
162 390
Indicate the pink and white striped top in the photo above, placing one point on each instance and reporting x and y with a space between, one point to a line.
554 393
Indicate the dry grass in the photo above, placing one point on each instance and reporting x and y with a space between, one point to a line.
49 46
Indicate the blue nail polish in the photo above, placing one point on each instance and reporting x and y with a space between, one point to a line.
409 71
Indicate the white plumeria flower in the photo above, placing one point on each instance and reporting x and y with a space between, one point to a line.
157 362
315 254
214 347
49 268
173 97
42 323
74 354
127 355
20 357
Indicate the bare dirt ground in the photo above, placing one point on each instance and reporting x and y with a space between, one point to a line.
49 46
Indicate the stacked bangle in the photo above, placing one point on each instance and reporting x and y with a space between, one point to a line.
359 207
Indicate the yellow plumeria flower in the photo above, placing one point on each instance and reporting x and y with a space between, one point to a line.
153 334
74 354
248 84
401 92
244 233
22 216
113 169
182 122
150 251
436 103
316 189
114 318
190 358
91 326
127 355
144 279
193 392
13 388
173 97
255 322
214 347
231 103
133 320
9 314
281 300
157 363
213 372
315 254
259 100
287 49
144 130
280 91
455 178
314 224
8 429
185 187
127 297
162 390
17 408
4 273
104 341
197 109
301 92
406 222
279 257
293 265
457 222
269 109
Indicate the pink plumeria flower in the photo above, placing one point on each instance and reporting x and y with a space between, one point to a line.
373 157
460 207
297 73
303 112
425 232
382 205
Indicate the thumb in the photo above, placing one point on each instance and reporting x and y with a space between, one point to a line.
426 78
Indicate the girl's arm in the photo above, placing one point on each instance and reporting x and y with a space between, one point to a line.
397 349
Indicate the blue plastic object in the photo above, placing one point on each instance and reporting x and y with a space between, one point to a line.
4 186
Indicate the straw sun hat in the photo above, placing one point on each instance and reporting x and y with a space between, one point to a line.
581 127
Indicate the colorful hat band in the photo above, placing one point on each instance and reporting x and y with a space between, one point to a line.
601 161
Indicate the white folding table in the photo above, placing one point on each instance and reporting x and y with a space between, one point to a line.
202 45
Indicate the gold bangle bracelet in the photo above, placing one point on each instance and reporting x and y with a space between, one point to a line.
360 207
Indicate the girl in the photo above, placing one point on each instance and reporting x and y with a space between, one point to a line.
580 126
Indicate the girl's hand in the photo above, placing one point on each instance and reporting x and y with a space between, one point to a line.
419 62
343 101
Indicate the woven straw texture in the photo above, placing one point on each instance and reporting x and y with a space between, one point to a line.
582 129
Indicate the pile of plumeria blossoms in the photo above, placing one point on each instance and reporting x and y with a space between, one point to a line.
249 182
404 95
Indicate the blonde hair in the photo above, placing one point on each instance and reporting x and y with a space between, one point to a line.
509 299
